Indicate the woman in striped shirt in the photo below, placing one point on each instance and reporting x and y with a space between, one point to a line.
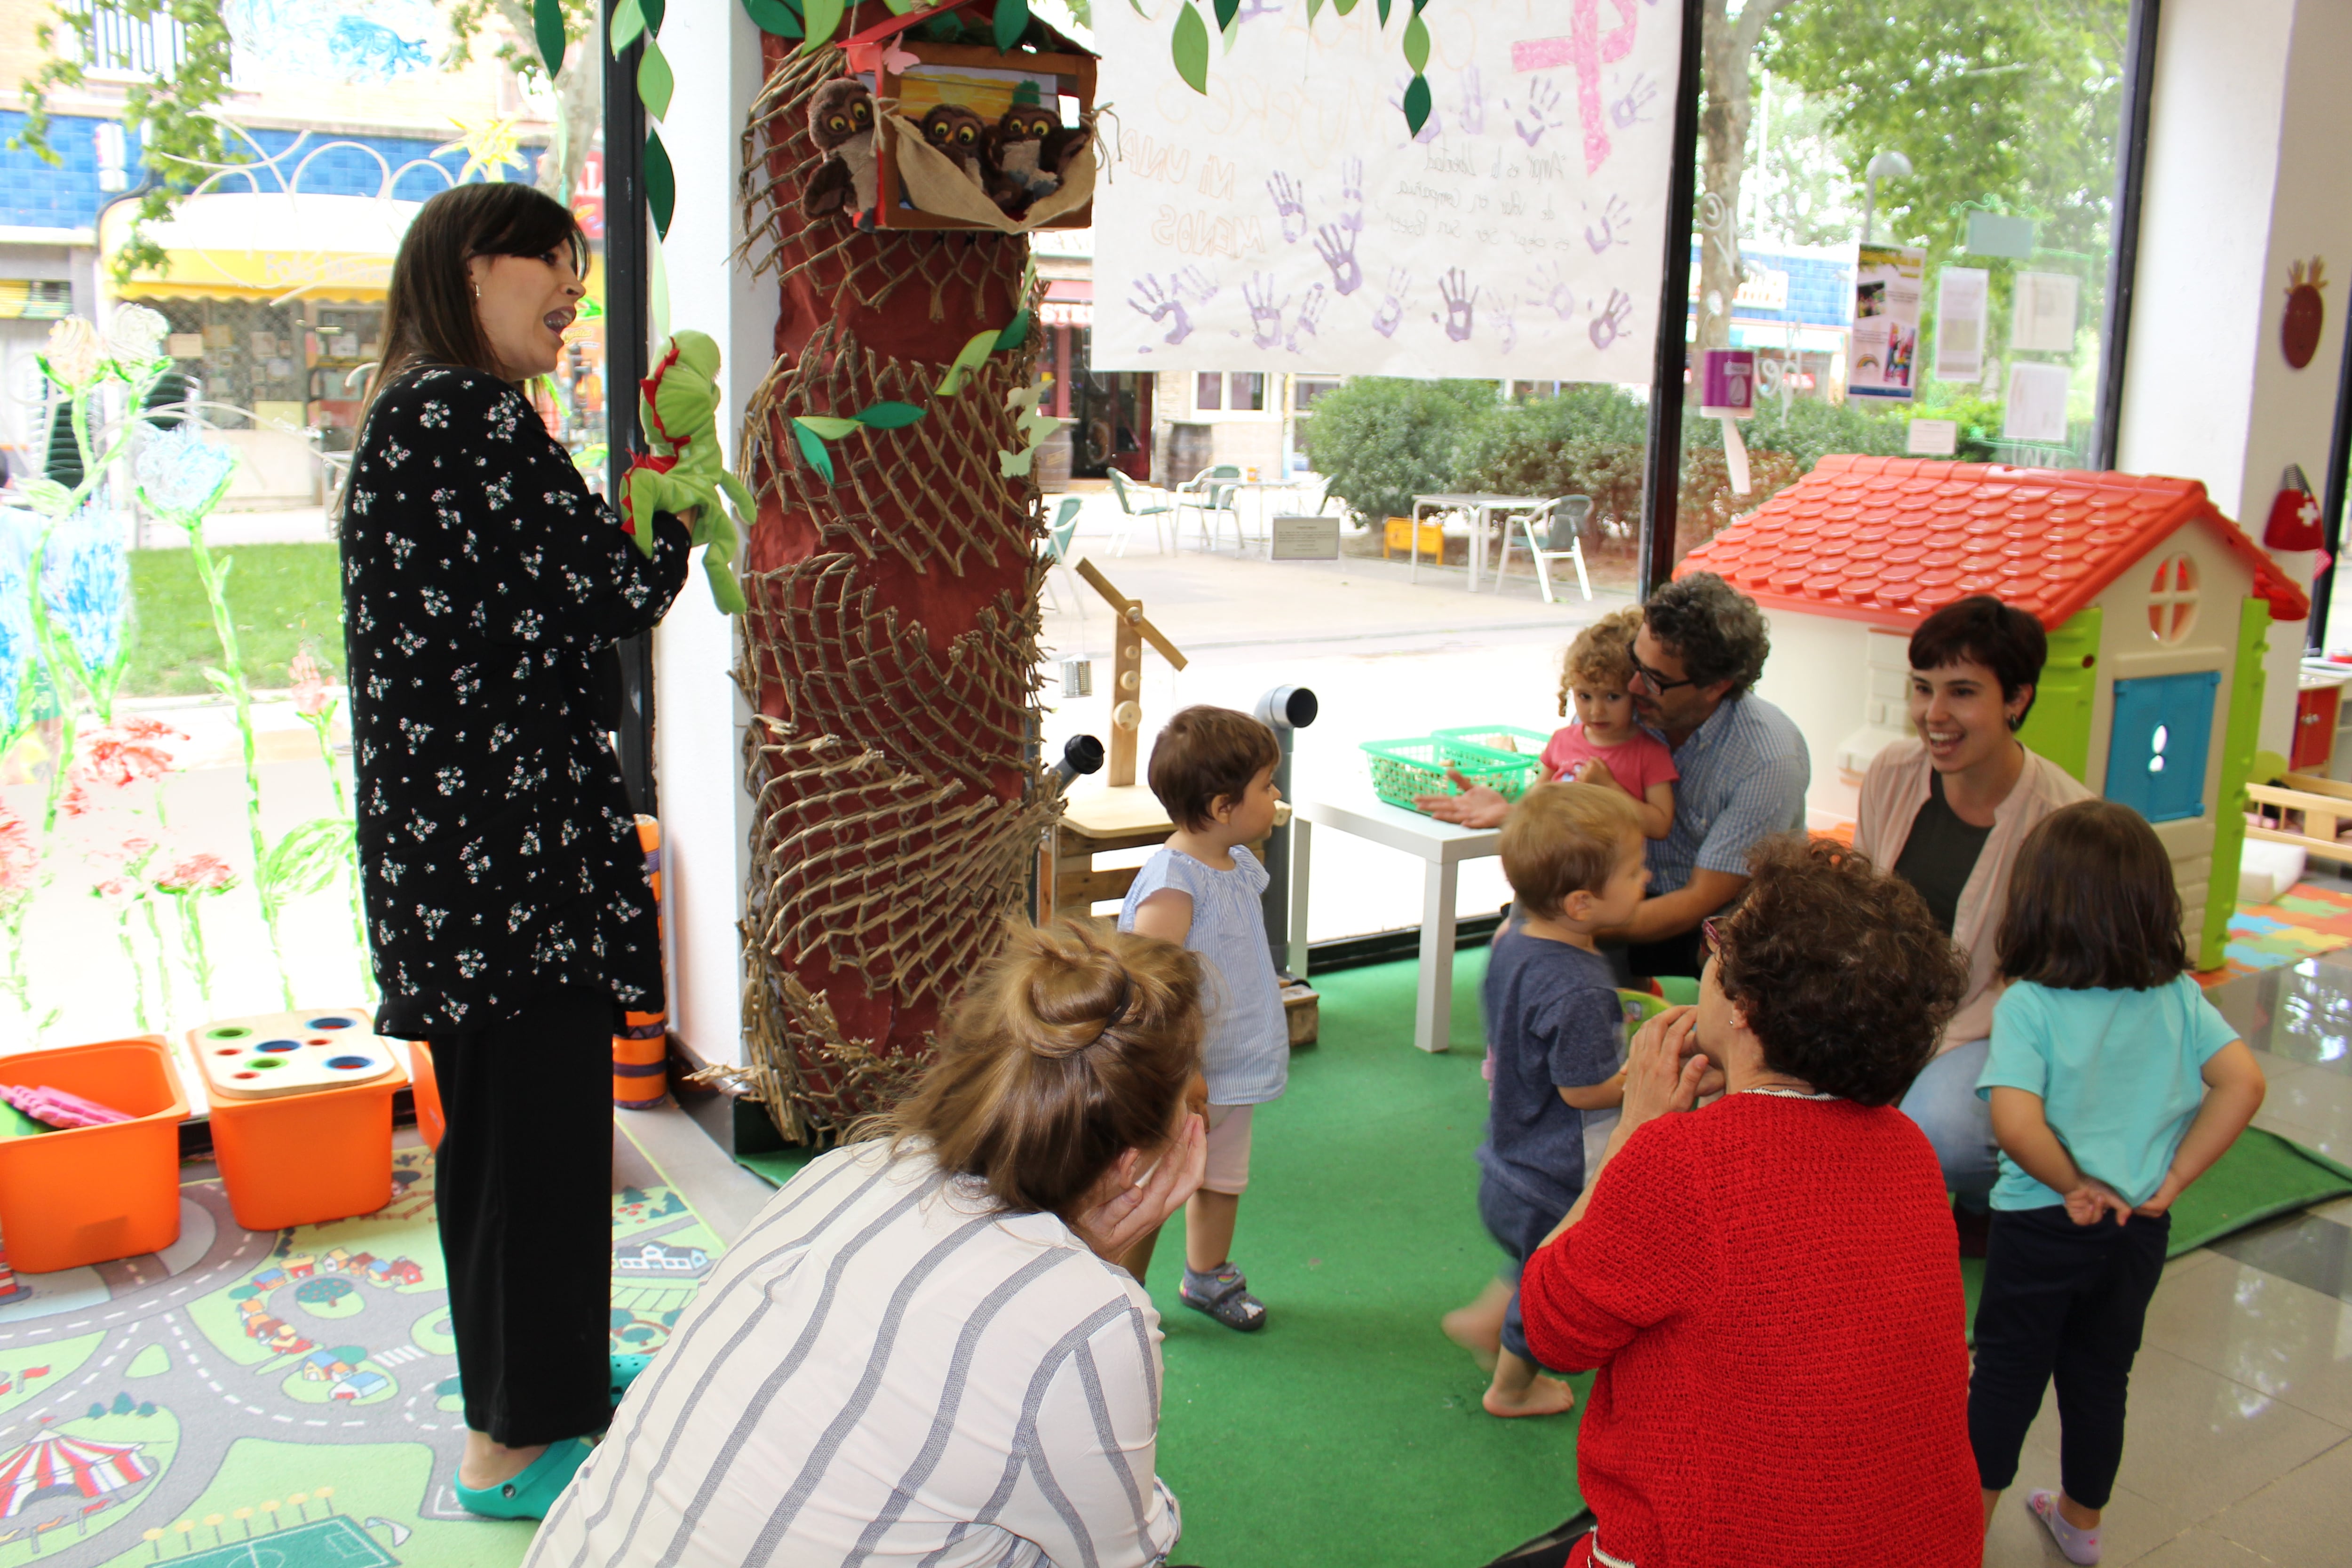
921 1351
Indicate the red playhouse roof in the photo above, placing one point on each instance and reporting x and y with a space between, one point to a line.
1890 540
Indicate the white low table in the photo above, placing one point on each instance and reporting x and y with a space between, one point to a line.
1441 848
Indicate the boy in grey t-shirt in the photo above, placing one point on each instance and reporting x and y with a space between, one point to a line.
1555 1027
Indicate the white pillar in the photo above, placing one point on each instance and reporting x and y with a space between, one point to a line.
699 718
2246 176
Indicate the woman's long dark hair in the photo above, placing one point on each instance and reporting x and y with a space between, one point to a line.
428 311
2092 905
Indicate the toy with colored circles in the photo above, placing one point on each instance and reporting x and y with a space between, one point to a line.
269 1055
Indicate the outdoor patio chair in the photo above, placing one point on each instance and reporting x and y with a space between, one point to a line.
1553 531
1160 516
1206 495
1057 553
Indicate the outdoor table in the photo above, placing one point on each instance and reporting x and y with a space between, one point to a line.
1480 506
1441 848
1264 529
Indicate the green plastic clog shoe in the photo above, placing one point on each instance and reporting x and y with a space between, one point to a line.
533 1490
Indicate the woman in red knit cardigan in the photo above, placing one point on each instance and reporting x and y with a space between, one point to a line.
1770 1285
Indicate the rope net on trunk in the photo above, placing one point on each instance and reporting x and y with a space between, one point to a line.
890 646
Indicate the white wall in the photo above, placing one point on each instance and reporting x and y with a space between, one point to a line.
2245 174
1816 675
700 717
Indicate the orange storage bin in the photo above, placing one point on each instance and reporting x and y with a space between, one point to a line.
89 1195
308 1158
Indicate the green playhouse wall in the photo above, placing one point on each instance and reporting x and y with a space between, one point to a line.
2059 728
2240 735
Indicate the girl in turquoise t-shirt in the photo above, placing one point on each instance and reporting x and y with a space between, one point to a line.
2113 1085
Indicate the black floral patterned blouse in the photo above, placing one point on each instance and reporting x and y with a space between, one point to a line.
482 583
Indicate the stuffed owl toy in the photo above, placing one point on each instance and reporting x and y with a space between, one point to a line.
840 122
961 137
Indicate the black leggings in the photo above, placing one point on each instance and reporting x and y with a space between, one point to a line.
523 1183
2064 1300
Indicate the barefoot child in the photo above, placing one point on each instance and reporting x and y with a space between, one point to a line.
1213 769
1604 745
1555 1028
2113 1085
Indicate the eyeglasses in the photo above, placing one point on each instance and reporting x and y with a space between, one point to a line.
1712 934
1658 684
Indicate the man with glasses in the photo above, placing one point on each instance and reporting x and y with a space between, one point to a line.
1743 763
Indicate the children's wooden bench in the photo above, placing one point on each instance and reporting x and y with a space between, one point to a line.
2323 804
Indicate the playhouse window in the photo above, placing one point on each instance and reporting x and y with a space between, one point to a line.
2172 599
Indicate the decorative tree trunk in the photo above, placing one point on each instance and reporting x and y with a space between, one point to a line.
890 648
1730 52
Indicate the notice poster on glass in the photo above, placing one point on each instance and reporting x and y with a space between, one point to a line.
1288 218
1960 296
1888 283
2044 321
2037 404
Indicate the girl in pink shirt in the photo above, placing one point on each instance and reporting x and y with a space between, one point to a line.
1604 745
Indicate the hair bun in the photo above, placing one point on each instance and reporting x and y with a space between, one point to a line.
1078 992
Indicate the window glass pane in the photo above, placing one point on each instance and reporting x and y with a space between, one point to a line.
1208 390
1249 391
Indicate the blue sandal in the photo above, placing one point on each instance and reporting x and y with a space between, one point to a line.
625 1368
533 1490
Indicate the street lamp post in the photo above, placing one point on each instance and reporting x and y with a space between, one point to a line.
1886 166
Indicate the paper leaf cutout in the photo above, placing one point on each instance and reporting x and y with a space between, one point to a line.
822 17
1343 7
547 29
1384 13
831 426
1015 333
1226 11
773 16
1013 19
1189 48
1416 101
813 449
1416 45
661 184
655 81
1313 6
655 10
888 416
627 23
967 360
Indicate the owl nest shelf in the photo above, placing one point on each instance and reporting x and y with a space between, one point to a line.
955 136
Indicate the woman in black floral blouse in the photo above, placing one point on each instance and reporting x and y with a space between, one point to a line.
506 893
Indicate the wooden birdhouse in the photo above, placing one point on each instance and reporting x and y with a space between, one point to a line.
974 137
2155 604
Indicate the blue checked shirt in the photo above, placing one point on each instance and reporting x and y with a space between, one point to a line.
1744 775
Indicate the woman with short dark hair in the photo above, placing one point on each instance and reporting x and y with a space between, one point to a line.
1767 1284
1946 811
924 1351
508 911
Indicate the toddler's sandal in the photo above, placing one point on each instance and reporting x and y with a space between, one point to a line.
2076 1546
1224 1296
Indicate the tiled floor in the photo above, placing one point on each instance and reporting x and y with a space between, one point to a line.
2239 1445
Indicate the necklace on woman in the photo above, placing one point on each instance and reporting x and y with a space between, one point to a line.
1784 1091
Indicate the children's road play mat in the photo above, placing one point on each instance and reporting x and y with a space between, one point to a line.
282 1399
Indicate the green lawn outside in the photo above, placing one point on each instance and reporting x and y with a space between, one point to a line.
282 596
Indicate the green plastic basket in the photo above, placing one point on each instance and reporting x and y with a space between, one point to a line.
1403 770
1508 739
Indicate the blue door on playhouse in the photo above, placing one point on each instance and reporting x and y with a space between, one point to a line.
2156 745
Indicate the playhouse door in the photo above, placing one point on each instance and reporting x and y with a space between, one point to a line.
2156 748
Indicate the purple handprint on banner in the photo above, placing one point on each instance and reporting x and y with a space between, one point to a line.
1539 112
1351 196
1386 319
1158 301
1553 290
1613 228
1310 313
1195 285
1288 205
1505 318
1461 297
1610 322
1265 311
1633 107
1587 48
1474 103
1337 246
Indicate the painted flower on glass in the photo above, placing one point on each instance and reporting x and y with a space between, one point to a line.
85 583
20 859
198 874
136 334
74 354
181 472
136 751
15 647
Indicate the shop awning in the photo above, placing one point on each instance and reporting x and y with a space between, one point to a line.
236 244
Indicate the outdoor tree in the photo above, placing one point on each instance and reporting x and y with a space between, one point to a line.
1726 108
578 88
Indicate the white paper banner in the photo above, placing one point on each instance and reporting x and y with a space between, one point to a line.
1289 220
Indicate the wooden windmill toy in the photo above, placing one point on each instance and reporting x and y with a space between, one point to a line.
1127 671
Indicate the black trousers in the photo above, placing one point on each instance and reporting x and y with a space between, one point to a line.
2066 1302
523 1183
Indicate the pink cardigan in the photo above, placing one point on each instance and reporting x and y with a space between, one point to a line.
1892 793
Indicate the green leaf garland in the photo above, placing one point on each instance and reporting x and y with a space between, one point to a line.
774 17
1416 44
888 416
1012 20
547 28
655 82
655 10
1189 48
1226 11
661 184
1416 103
822 17
628 21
